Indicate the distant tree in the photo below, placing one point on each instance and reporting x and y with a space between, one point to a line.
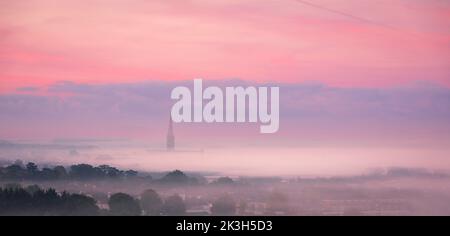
101 197
12 186
131 173
36 201
84 171
48 174
13 200
151 202
175 176
121 204
79 205
110 172
224 181
60 172
80 171
32 169
47 202
224 205
173 206
15 172
32 189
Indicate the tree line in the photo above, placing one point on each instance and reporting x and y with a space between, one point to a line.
31 171
32 200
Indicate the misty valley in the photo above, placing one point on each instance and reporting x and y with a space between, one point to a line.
83 189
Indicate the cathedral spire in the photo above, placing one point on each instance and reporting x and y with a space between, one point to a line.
170 143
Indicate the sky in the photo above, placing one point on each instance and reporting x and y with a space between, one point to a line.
354 71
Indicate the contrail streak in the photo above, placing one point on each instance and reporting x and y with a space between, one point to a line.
343 14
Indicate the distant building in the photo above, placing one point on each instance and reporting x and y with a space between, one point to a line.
170 142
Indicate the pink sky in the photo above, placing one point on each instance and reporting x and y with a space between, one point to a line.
112 41
348 69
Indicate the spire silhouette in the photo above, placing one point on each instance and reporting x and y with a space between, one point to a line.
170 142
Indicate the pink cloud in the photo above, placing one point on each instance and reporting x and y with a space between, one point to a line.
104 42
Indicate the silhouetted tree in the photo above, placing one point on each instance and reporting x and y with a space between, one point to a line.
131 173
151 202
111 172
36 201
14 200
15 172
173 206
60 172
32 169
48 174
12 186
224 181
32 189
79 205
177 177
80 171
84 171
121 204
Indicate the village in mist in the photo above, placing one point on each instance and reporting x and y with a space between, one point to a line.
45 187
124 177
225 108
